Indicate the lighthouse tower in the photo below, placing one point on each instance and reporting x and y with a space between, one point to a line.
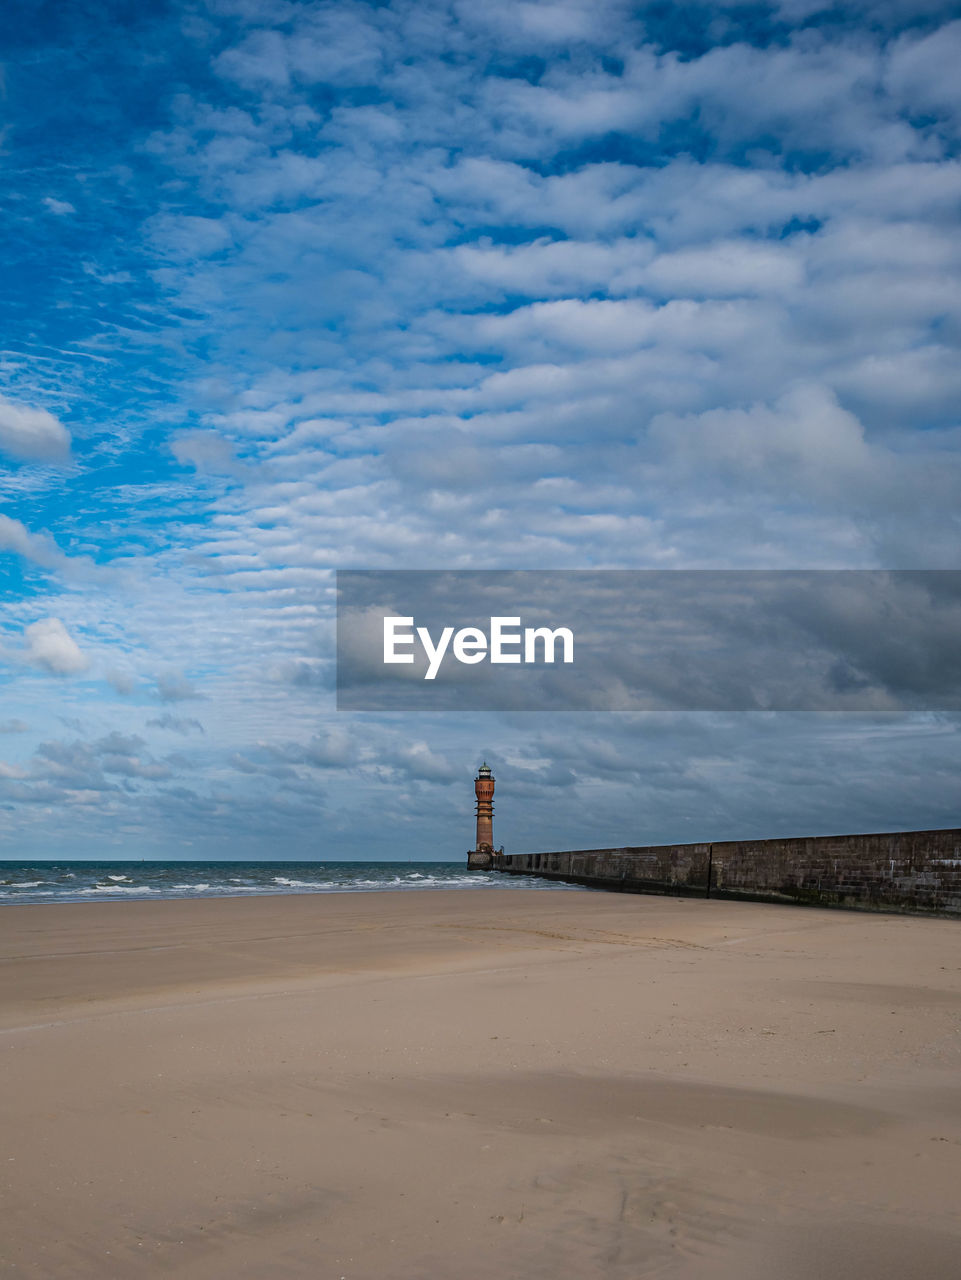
481 857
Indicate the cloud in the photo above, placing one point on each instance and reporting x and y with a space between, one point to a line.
333 750
122 681
419 761
205 450
82 767
33 435
59 207
122 754
556 284
40 548
805 436
13 726
176 724
173 686
51 647
922 72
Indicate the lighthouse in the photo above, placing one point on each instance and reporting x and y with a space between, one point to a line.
482 856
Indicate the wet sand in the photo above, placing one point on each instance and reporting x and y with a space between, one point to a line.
473 1084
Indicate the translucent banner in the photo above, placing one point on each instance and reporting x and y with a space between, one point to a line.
649 640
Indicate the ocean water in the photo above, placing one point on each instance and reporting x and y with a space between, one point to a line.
115 881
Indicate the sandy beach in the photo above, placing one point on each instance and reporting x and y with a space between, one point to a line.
472 1084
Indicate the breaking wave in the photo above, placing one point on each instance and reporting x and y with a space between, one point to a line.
106 881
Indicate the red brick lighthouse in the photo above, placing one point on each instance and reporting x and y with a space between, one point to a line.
482 856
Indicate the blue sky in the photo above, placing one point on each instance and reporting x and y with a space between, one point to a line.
296 286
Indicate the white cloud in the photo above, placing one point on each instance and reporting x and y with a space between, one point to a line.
726 268
32 434
205 450
805 429
923 73
42 550
50 646
59 207
16 537
173 686
418 760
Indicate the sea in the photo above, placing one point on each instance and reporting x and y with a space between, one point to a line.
114 881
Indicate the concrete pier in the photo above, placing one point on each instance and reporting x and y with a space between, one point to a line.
915 871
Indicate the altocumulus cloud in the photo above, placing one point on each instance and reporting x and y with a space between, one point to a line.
550 284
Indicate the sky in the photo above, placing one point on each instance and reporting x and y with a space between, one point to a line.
547 284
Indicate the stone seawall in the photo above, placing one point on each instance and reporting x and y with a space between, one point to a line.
918 871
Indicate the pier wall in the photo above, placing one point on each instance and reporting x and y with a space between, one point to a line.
916 871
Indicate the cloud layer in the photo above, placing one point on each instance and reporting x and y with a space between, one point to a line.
539 285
